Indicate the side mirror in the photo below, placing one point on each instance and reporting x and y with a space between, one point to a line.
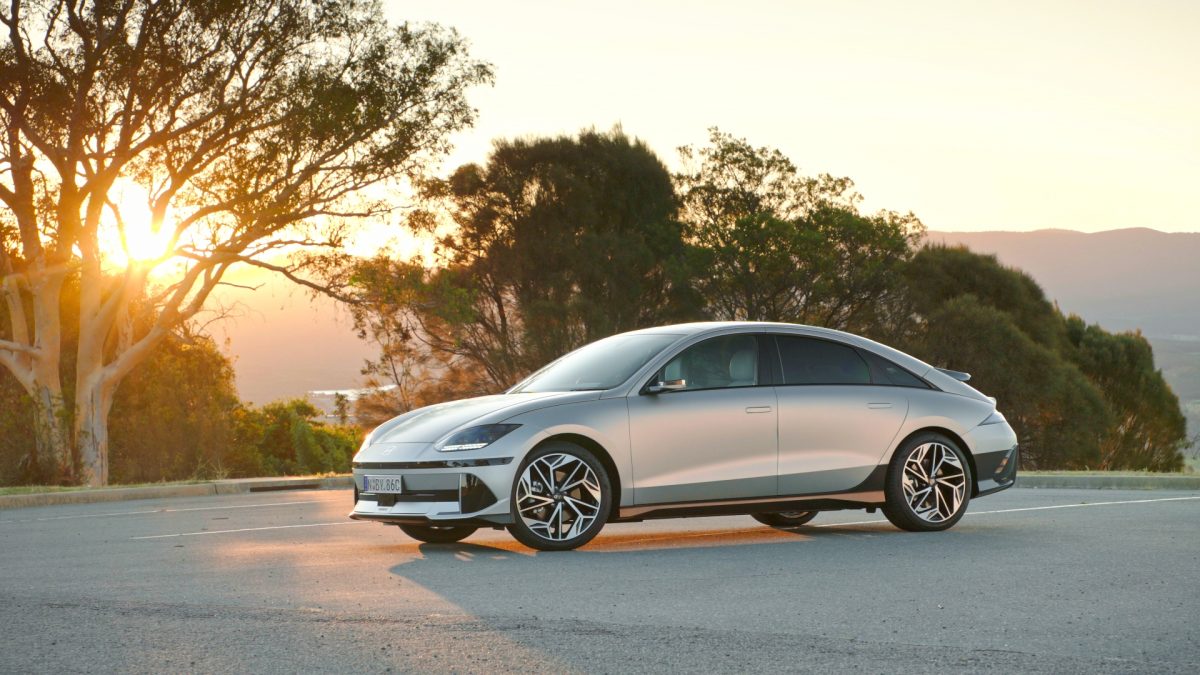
669 385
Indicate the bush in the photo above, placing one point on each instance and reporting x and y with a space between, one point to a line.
285 438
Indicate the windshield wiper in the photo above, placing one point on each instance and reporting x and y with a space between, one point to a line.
589 389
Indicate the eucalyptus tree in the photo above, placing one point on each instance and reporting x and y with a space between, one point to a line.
551 243
1078 396
770 243
243 129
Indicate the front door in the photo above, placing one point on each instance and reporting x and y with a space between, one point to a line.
712 439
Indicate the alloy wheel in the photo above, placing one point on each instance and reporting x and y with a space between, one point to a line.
934 482
558 496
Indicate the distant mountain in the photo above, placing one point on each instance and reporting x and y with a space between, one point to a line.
1121 279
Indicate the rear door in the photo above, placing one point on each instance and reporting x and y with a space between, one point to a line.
713 439
835 422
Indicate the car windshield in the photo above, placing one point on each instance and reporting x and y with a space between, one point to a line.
601 365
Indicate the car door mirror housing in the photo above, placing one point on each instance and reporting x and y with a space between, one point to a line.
666 385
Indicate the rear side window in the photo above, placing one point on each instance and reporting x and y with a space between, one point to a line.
810 361
886 372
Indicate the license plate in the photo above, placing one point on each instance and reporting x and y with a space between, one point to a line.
382 484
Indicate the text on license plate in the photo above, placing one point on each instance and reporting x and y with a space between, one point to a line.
382 484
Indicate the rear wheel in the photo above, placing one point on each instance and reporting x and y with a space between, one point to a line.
784 519
438 534
928 485
560 499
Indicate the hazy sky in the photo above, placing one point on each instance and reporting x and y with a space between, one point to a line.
975 115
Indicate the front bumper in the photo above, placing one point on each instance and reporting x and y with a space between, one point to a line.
442 490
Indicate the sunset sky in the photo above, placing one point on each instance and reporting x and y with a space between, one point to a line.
976 116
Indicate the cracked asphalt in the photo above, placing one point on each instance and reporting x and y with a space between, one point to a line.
1031 580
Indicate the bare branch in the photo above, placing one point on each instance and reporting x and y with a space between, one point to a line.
16 347
290 274
246 287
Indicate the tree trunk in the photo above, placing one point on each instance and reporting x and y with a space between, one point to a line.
52 457
38 369
91 433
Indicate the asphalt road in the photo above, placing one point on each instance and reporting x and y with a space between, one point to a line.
1031 580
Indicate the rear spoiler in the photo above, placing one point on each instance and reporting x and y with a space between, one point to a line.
960 376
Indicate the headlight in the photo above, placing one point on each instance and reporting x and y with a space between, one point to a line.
995 418
475 437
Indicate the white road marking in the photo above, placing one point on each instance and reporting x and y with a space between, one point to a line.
682 536
250 529
152 511
1031 508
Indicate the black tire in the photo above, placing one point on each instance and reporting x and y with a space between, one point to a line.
784 519
934 513
439 534
526 534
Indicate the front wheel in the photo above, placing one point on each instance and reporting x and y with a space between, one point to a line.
438 534
928 485
784 519
560 498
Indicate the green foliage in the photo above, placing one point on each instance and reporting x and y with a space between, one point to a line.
1078 396
178 418
940 273
1058 414
16 432
172 418
729 179
773 245
286 438
559 242
1149 430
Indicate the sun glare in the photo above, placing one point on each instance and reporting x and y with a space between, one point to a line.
142 241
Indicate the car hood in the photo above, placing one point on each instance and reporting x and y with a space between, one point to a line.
428 424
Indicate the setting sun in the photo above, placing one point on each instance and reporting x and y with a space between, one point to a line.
128 231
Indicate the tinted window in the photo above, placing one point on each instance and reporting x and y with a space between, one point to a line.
886 372
601 365
809 361
727 361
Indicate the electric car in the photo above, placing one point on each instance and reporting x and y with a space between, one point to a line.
776 421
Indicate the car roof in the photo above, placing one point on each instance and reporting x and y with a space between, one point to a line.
698 327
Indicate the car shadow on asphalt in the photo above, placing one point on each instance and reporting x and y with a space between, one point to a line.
632 543
533 598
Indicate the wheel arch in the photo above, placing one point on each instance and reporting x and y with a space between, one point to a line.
610 466
954 436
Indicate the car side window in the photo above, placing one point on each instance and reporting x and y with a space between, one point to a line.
726 361
812 361
887 373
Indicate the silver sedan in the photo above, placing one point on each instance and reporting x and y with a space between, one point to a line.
777 421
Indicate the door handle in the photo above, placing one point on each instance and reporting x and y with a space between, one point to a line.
758 409
879 406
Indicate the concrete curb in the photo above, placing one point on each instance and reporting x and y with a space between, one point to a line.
218 487
1102 482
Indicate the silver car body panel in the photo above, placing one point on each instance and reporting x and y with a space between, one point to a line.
831 437
757 445
708 444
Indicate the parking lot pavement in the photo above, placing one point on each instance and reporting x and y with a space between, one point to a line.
1035 580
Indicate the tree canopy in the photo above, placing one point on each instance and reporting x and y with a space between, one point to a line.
1078 396
244 128
770 244
555 242
542 252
